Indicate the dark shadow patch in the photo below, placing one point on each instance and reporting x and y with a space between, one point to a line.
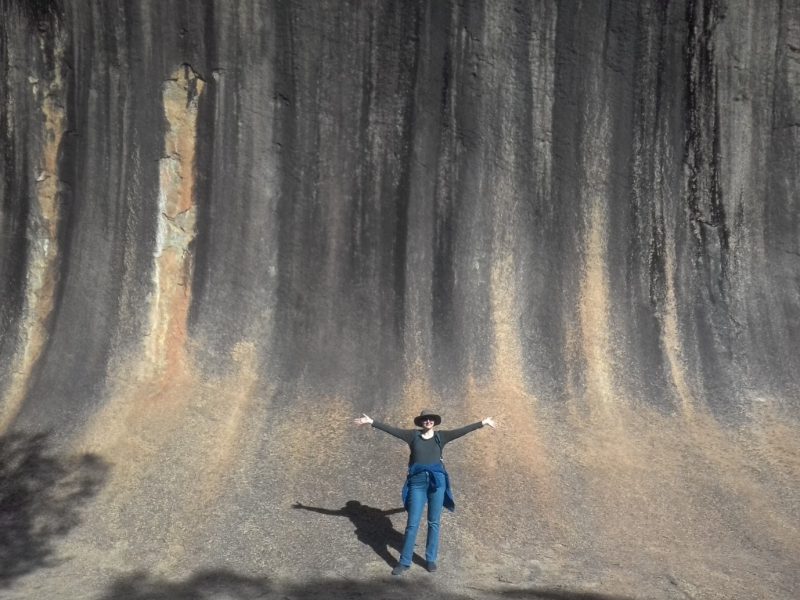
41 497
219 584
533 593
38 11
372 527
205 585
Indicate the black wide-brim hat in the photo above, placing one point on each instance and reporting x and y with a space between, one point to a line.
427 414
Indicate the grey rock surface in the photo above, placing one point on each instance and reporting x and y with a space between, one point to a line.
229 228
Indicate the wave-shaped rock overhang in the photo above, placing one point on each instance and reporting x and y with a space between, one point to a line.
225 229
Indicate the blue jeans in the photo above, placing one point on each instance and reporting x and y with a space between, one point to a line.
418 495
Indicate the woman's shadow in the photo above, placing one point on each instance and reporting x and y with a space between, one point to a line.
373 527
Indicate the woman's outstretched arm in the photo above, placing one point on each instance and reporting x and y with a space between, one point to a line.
448 435
404 434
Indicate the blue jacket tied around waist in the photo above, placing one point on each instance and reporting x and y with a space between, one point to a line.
433 482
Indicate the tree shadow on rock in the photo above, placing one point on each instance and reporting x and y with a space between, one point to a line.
555 594
204 585
227 585
41 496
425 589
373 527
391 588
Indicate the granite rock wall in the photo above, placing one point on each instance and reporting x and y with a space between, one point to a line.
226 228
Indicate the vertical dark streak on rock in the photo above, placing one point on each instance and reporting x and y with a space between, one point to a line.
445 91
524 174
40 31
481 163
691 114
774 114
204 171
357 217
707 315
40 13
285 125
781 206
142 147
15 208
702 146
406 145
642 244
237 175
67 174
565 229
443 279
636 264
657 259
718 219
73 161
14 244
661 95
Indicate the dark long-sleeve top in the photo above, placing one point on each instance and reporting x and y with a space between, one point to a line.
426 452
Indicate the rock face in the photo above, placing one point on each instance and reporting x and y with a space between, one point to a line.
228 228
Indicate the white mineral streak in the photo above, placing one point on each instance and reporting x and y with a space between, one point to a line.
177 228
41 234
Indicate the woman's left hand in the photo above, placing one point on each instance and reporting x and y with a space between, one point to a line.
490 422
363 420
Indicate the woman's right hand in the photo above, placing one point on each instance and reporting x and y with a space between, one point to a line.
363 420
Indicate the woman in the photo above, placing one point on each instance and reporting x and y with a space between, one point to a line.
427 479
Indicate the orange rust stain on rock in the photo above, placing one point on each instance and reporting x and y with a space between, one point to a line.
741 458
176 223
171 432
232 404
513 464
312 434
693 496
600 420
174 444
215 438
162 372
508 360
506 397
594 313
42 231
594 341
